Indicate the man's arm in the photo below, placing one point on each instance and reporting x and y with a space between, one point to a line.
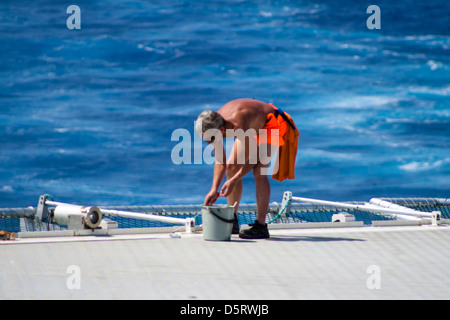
228 186
219 172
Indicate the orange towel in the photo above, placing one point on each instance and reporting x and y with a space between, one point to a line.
287 143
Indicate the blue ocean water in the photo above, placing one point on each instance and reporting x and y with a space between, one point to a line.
87 115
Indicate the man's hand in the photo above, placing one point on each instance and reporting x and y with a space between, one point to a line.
228 187
211 197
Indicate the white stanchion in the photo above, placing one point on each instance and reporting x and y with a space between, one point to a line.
366 207
143 216
390 205
132 215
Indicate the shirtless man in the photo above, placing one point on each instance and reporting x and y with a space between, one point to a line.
249 115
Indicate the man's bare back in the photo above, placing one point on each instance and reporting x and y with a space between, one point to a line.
246 113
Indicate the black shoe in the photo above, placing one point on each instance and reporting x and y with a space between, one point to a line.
235 226
257 231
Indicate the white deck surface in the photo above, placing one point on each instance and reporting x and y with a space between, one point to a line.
413 263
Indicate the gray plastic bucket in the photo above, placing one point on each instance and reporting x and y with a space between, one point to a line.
217 222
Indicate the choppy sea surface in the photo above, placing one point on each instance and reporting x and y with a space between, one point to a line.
87 115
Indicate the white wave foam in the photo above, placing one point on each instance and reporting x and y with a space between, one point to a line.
266 14
312 153
7 189
365 102
416 166
445 91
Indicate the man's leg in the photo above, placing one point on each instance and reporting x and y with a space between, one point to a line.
236 193
259 229
262 193
237 161
234 198
261 175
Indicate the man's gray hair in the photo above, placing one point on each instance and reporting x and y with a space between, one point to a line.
209 119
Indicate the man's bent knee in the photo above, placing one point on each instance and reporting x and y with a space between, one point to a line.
260 172
232 169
